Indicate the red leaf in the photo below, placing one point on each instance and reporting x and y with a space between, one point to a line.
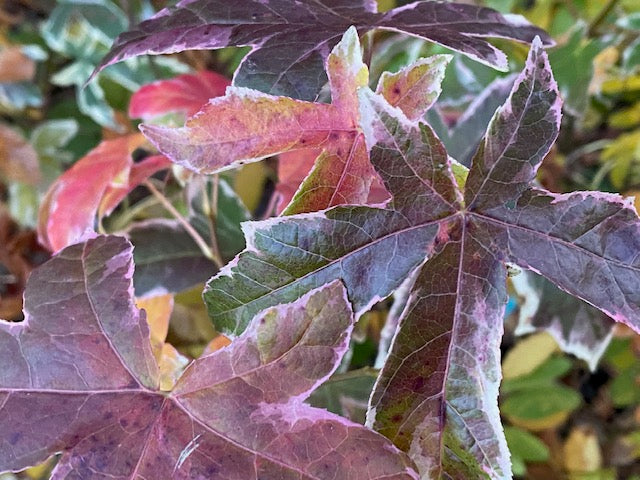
96 183
138 173
184 94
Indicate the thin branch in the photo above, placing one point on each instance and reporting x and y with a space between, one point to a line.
601 17
183 221
211 209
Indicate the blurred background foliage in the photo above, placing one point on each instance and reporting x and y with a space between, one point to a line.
570 403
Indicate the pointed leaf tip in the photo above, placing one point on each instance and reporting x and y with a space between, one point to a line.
298 40
79 378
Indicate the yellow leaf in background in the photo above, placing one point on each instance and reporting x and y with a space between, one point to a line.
624 151
540 13
37 472
540 424
581 451
171 364
216 344
158 310
249 183
635 194
626 118
602 65
386 5
528 354
18 159
614 86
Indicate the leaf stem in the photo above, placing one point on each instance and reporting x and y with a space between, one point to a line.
183 221
601 17
122 220
211 208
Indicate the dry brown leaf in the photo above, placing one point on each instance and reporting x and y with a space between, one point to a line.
18 159
15 66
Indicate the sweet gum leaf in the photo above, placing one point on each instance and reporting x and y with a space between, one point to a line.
79 377
436 396
579 328
291 44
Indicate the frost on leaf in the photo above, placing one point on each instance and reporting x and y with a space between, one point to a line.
436 397
79 377
290 43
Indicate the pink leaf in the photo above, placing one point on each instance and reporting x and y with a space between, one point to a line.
96 183
139 172
79 377
247 125
184 94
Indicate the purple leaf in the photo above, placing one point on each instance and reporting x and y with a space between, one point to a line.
586 243
518 138
438 390
79 378
577 327
291 44
437 393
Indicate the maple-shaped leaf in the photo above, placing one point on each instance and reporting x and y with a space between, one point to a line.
185 94
247 125
79 377
95 185
436 396
291 40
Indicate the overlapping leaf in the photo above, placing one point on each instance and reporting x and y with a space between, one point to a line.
463 138
185 94
291 44
94 185
247 125
436 397
579 328
79 377
413 89
168 259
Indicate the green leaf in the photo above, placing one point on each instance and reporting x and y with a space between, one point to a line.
526 446
540 403
624 389
15 97
554 368
572 65
346 394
